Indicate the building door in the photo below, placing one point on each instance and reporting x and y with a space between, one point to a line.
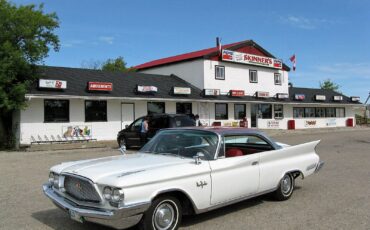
127 114
254 112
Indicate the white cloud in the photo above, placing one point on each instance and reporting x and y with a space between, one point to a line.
107 39
71 43
306 23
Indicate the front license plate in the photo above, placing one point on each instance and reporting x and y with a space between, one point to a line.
74 216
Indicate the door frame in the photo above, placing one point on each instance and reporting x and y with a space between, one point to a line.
133 105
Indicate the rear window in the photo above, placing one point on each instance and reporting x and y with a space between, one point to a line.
183 121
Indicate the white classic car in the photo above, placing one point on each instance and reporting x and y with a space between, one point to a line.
179 172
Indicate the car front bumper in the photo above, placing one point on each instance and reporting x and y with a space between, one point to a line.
119 218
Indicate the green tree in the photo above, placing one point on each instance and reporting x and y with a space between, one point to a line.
329 84
117 64
26 36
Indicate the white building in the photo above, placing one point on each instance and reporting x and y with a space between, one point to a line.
244 82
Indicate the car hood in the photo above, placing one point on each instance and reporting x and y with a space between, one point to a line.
105 170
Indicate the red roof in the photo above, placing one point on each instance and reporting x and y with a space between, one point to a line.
248 46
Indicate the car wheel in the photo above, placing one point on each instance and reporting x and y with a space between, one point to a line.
164 214
122 141
286 187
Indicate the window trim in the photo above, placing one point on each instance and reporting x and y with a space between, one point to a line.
106 111
227 111
250 79
282 112
222 67
275 75
68 105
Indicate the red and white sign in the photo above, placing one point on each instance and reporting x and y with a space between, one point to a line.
262 94
181 90
52 84
320 97
237 93
100 86
233 56
211 92
299 97
147 89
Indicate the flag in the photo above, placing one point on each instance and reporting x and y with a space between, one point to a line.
218 44
293 60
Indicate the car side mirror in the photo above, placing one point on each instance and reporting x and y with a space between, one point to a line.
198 158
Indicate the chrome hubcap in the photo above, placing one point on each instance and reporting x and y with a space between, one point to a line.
164 216
286 184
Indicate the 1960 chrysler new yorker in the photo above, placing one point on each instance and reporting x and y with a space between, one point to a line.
180 171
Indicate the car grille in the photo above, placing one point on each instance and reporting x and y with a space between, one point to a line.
80 189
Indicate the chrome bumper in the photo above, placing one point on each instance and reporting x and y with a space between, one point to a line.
119 218
319 166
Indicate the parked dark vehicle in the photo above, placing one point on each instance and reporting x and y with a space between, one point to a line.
130 136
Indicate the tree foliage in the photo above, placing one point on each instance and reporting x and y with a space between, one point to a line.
117 64
329 84
26 37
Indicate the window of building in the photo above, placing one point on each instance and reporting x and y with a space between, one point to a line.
320 112
340 112
253 78
220 72
278 112
298 112
266 111
309 112
239 111
95 110
277 78
156 107
183 108
56 110
221 111
330 112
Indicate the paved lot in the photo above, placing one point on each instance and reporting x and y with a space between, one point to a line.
336 198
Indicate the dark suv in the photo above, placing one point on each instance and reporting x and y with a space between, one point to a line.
130 136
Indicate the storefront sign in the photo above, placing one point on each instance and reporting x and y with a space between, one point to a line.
211 92
100 86
147 89
310 123
262 94
233 56
237 93
320 97
355 99
181 90
282 96
299 97
273 124
331 122
337 98
52 84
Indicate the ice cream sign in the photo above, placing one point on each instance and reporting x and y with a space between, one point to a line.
52 84
233 56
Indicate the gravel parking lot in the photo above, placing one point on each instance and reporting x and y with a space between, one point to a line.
336 198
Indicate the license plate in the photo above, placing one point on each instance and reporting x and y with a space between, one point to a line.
74 216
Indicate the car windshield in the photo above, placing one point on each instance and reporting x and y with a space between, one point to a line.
183 143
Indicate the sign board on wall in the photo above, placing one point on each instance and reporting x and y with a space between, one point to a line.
310 123
100 86
282 96
331 122
237 93
146 89
52 84
244 58
262 94
355 99
211 92
76 131
273 124
181 90
320 97
299 97
337 98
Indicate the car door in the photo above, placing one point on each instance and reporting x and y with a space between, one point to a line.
133 132
235 176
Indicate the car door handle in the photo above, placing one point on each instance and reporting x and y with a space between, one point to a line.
255 163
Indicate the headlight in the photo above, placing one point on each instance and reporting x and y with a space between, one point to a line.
117 195
51 178
107 193
56 180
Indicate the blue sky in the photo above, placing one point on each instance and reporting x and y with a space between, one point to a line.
331 39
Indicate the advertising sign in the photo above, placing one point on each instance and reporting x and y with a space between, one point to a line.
237 93
100 86
262 94
282 96
273 124
76 131
146 89
52 84
310 123
181 90
211 92
355 99
299 97
320 97
331 122
338 98
244 58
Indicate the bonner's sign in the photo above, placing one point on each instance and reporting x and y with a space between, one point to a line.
100 86
52 84
233 56
237 93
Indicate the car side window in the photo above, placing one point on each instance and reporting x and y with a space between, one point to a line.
158 123
136 126
240 145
